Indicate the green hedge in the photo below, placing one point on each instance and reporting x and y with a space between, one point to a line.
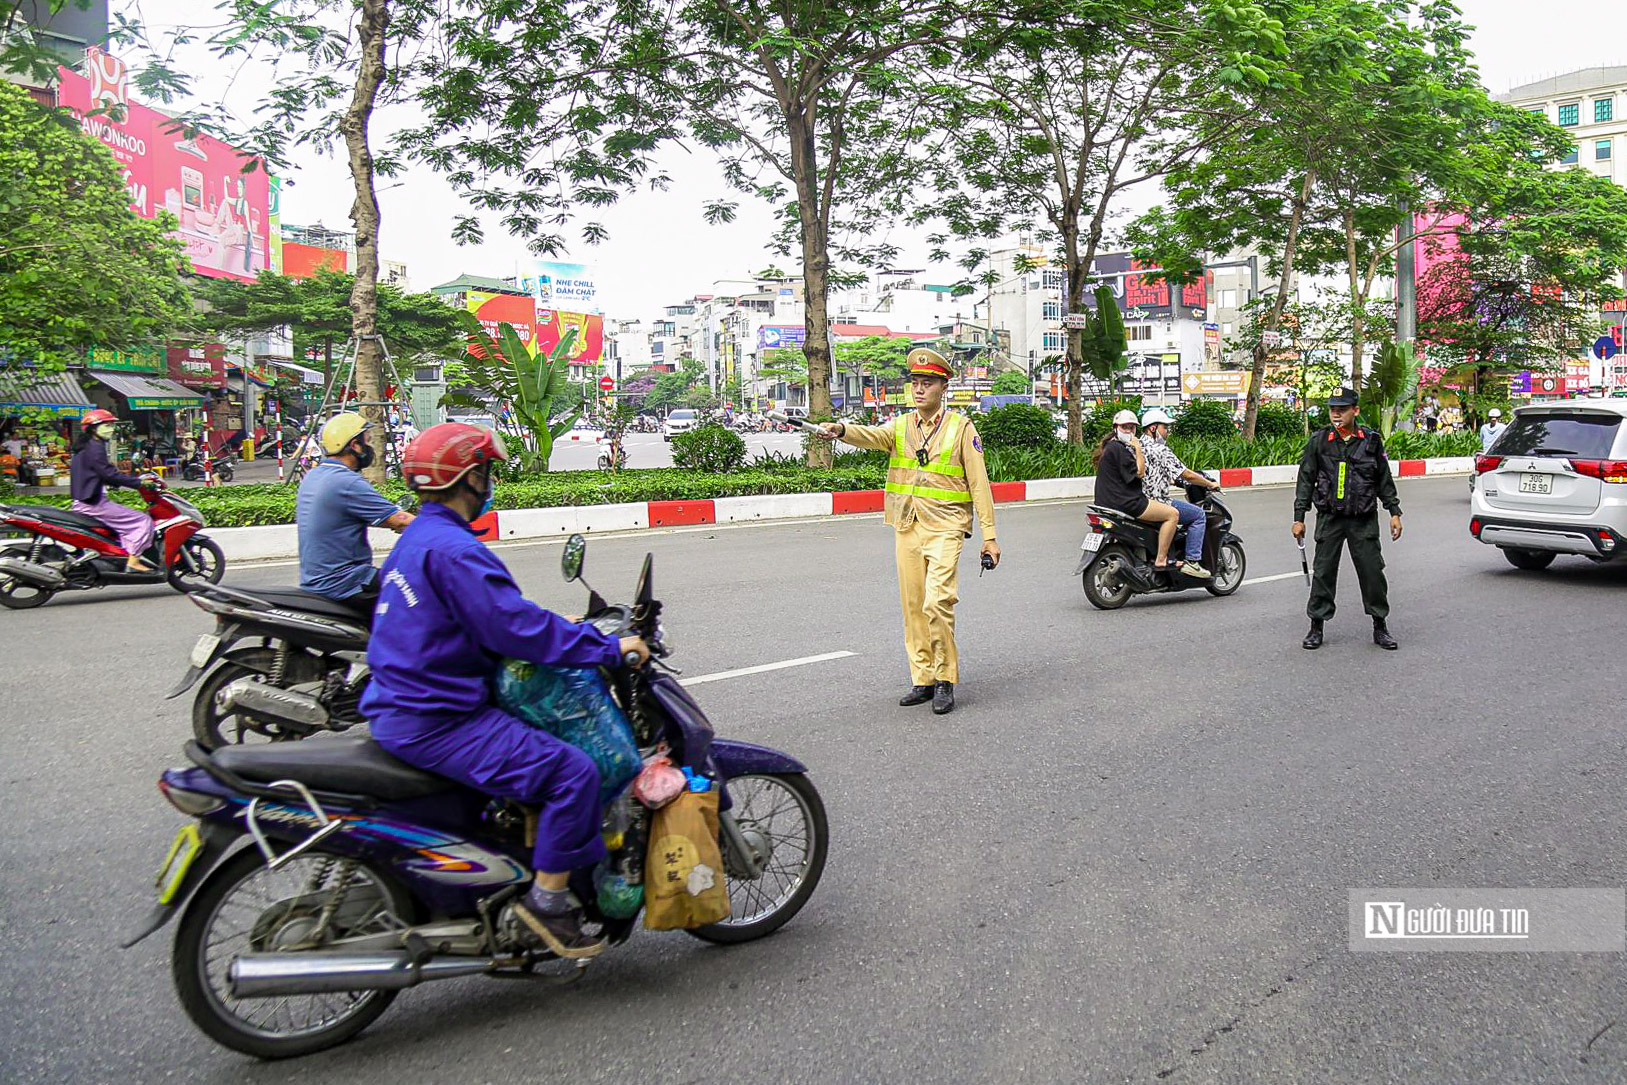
250 505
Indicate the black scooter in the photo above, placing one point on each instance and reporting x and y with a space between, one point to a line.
1116 556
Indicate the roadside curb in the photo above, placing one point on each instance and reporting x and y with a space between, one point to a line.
508 525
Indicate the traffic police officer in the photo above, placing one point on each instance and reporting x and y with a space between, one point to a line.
936 477
1345 474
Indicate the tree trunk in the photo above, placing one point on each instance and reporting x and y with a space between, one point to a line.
815 277
1251 410
1358 313
1073 302
370 32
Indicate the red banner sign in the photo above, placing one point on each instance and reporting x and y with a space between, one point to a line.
200 365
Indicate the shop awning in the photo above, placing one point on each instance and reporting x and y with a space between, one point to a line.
149 393
306 376
60 393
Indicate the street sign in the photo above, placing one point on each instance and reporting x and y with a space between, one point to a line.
1270 340
1605 348
1076 321
607 384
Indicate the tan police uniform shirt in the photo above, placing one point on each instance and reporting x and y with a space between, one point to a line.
901 510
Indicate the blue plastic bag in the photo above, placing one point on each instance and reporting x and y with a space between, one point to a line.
574 705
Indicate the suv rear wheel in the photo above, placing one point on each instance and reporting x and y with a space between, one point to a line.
1534 560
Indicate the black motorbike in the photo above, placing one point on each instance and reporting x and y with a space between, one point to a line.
195 468
1117 554
282 664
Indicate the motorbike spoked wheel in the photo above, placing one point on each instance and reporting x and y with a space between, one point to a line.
208 558
246 908
213 729
1230 566
783 818
1104 586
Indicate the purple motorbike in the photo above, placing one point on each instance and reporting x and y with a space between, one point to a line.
320 878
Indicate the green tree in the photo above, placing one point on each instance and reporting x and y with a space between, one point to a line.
316 310
669 390
783 365
1378 110
1520 286
1013 382
1058 113
504 374
77 267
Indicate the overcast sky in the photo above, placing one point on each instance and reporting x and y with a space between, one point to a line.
661 251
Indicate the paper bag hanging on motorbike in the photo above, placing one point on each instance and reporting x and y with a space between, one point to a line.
683 877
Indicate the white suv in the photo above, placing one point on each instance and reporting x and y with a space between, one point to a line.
1555 483
681 420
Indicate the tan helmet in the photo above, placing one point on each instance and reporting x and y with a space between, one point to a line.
342 429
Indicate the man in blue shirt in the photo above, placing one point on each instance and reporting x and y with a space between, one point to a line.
335 508
448 611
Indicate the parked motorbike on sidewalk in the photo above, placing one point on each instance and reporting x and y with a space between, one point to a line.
197 467
367 876
53 550
1117 554
281 664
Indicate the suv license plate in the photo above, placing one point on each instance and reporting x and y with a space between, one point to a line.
1535 482
1092 542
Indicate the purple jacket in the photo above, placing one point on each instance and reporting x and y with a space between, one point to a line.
90 471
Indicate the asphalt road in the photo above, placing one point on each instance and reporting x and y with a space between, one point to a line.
1125 857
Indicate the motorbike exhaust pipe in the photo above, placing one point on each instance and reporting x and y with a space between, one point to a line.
276 975
32 572
256 698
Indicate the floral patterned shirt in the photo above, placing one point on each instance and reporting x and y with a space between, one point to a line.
1163 468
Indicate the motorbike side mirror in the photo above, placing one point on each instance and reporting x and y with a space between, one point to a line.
570 562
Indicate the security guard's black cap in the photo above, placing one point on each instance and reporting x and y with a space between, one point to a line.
1343 397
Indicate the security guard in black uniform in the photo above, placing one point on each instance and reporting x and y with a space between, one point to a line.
1345 474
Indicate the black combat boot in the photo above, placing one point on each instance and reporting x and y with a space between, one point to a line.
1381 636
916 695
943 697
1313 639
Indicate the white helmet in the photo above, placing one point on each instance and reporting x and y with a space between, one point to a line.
1156 415
1495 412
1125 416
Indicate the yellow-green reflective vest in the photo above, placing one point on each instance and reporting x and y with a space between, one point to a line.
941 478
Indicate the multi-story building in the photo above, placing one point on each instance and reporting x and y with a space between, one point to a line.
1591 103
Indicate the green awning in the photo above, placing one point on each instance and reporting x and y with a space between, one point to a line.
149 393
59 394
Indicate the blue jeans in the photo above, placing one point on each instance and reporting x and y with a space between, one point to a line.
1196 522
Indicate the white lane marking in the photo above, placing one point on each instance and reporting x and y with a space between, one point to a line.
1268 579
780 666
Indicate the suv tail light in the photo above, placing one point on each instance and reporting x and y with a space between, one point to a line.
1603 470
1484 463
1474 527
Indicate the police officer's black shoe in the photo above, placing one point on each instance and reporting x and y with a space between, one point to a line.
943 697
916 695
1313 639
1381 636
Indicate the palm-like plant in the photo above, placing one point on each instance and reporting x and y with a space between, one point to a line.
526 390
1103 339
1392 384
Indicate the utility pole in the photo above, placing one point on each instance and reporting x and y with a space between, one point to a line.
1406 280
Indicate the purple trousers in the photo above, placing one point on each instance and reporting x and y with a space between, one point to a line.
135 527
494 752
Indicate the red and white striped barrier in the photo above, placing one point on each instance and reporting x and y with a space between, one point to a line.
505 525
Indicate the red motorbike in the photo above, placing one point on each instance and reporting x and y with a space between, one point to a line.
51 550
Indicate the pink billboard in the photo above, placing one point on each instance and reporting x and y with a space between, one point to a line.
224 213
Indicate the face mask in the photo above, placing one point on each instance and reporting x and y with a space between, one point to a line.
1122 435
105 430
364 456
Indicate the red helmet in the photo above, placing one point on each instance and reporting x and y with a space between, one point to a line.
437 458
96 418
